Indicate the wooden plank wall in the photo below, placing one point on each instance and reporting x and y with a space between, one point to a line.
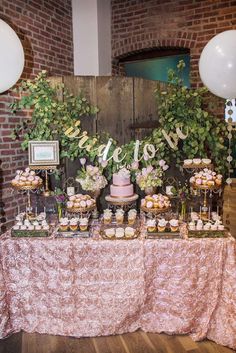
122 102
144 106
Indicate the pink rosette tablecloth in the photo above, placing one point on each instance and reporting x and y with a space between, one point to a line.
86 287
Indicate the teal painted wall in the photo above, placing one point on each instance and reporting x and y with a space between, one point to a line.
157 69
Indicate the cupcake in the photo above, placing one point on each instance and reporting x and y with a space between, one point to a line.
218 182
162 225
69 204
174 225
214 226
73 224
149 204
129 232
188 161
192 225
83 224
120 216
220 227
16 227
110 232
107 216
120 233
194 216
132 214
199 225
196 161
206 161
151 225
207 226
64 223
14 182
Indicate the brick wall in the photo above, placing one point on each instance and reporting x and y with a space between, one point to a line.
45 29
141 24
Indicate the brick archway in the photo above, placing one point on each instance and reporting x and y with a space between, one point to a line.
151 41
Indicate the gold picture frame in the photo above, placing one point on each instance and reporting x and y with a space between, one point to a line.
44 153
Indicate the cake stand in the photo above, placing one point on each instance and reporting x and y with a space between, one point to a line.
205 189
28 189
192 168
125 203
80 210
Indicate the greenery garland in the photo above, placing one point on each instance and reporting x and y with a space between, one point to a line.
207 134
177 105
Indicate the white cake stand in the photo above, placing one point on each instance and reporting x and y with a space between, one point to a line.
123 202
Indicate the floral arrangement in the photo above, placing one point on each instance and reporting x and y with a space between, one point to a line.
125 173
90 177
181 191
60 198
150 176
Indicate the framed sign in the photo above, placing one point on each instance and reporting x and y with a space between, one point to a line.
43 153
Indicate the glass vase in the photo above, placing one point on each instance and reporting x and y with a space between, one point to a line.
183 211
150 190
59 210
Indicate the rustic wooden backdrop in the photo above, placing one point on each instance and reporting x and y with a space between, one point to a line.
127 106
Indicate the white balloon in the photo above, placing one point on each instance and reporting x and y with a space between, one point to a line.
217 65
11 57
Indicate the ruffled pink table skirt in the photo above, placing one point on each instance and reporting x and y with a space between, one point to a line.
91 287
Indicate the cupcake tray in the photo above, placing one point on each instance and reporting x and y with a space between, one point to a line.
205 187
73 234
76 234
155 210
29 233
198 166
80 210
115 225
163 235
208 234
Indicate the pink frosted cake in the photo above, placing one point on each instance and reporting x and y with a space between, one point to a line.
121 186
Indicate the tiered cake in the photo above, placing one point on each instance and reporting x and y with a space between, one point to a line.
121 186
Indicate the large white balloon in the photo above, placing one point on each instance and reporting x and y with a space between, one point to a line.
217 65
11 57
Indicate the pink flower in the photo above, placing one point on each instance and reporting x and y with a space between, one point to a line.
162 163
165 167
134 165
82 161
144 171
149 169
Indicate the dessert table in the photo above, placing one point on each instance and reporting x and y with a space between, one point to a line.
87 287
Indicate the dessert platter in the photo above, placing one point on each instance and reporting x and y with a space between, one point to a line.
162 228
120 225
122 219
25 227
76 227
119 233
155 204
26 180
206 179
80 203
197 163
209 228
